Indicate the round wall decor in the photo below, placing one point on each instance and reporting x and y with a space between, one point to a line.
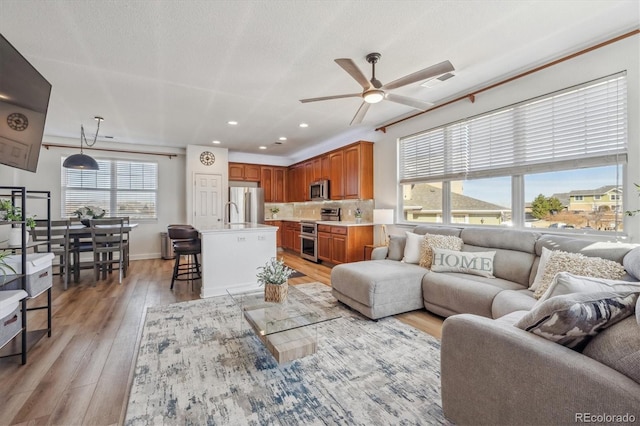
18 121
207 158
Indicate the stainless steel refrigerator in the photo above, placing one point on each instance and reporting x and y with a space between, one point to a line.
249 202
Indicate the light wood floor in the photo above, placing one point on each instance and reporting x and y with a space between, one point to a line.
80 375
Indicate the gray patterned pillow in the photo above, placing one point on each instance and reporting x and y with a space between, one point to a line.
432 241
572 319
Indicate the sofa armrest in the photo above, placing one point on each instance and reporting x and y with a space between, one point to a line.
495 373
379 253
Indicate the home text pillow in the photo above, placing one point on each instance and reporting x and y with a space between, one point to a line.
430 241
576 263
567 283
476 263
572 319
412 248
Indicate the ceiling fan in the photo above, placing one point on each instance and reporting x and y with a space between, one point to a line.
374 91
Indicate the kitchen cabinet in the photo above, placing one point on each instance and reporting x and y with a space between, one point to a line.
244 172
358 171
343 244
297 183
325 167
291 234
336 177
272 180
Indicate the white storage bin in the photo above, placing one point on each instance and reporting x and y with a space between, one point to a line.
38 271
10 316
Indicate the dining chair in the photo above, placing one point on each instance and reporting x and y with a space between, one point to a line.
108 247
55 239
80 243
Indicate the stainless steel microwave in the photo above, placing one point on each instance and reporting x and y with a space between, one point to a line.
319 190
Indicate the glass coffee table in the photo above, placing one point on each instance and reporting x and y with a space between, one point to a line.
289 329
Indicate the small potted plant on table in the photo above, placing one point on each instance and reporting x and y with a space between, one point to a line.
85 214
274 275
14 214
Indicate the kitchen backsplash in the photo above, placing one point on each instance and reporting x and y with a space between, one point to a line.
311 209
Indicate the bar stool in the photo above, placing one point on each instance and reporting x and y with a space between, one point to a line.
186 243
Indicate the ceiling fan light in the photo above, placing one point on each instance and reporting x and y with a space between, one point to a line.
373 96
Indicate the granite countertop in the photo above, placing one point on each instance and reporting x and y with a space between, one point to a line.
322 222
236 227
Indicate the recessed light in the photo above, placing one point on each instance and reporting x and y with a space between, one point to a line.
304 125
216 142
263 147
233 123
282 138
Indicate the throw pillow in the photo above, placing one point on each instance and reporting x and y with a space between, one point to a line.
631 263
396 247
572 319
412 248
544 258
567 283
467 262
431 241
576 263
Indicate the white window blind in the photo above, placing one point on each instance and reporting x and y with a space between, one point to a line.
122 188
579 127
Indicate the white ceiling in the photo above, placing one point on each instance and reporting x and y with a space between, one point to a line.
172 73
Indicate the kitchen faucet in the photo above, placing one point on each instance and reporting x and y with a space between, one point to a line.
229 203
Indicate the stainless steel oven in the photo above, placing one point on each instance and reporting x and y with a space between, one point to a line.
309 233
309 240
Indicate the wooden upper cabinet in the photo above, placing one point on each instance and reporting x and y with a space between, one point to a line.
246 172
266 183
336 176
279 185
325 167
317 169
358 171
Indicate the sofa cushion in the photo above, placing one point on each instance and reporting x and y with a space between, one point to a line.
432 241
396 247
475 263
437 230
572 319
508 239
567 283
412 248
455 293
562 261
605 250
508 301
631 262
618 347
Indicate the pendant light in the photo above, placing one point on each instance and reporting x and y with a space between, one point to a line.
82 161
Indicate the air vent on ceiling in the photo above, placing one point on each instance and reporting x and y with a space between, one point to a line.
435 81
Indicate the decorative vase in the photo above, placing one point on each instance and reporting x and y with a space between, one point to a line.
275 292
275 215
358 219
15 236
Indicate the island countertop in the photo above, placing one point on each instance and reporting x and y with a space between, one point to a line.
236 227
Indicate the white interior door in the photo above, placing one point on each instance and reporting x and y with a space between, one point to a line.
207 198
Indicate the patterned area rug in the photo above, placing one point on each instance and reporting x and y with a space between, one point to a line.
199 363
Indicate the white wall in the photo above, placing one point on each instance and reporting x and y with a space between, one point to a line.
620 56
145 239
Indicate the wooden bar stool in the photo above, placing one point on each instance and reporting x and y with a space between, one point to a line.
186 243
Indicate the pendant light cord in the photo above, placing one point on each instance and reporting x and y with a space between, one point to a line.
83 138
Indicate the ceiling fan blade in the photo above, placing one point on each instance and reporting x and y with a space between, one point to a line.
413 103
362 111
326 98
424 74
349 66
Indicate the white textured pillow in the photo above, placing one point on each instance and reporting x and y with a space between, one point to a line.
432 241
567 283
576 263
544 258
467 262
412 248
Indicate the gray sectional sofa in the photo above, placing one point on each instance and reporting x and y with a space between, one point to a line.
493 372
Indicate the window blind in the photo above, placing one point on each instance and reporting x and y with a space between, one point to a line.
578 127
122 188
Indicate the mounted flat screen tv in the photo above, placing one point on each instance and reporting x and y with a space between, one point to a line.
24 99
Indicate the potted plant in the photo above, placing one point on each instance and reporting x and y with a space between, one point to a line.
85 214
634 212
4 266
5 207
358 214
274 212
274 275
14 214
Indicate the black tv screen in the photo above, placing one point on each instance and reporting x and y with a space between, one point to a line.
24 99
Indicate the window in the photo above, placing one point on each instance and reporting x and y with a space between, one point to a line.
122 188
597 197
578 129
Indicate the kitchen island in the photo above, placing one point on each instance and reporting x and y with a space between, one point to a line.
231 255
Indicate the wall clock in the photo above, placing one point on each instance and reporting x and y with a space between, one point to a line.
17 121
207 158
